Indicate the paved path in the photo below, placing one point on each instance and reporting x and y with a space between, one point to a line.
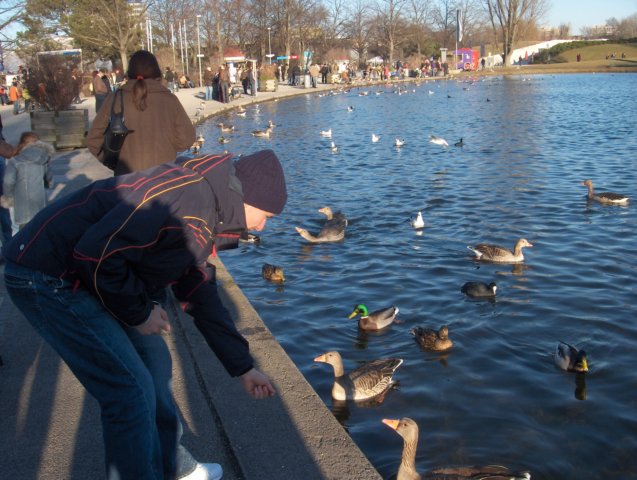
50 428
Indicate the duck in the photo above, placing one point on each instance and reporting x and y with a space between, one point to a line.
333 148
241 114
417 222
376 320
408 429
479 289
332 231
223 140
195 148
569 358
429 339
240 109
272 273
271 124
438 141
262 133
609 198
326 133
226 128
399 142
350 109
459 143
497 254
364 383
375 138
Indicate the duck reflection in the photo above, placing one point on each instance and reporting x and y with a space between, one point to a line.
580 386
362 338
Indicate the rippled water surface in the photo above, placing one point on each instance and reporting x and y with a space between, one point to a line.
496 397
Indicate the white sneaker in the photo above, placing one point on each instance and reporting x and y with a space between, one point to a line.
205 471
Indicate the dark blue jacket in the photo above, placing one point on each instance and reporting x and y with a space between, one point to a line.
125 238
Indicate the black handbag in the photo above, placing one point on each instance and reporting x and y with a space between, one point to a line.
115 134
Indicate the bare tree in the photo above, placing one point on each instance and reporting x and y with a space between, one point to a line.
357 28
564 30
506 16
419 14
389 22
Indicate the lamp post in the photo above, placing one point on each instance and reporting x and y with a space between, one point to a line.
199 52
269 47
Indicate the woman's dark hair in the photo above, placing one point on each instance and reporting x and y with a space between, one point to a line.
142 65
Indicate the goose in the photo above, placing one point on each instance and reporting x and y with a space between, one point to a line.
438 141
332 216
497 254
604 197
429 339
399 142
326 133
333 147
408 429
226 128
417 222
332 231
366 382
479 289
272 273
375 138
459 143
376 320
569 358
262 133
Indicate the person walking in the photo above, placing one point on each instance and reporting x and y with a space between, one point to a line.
15 94
100 89
169 76
208 79
89 270
26 178
158 125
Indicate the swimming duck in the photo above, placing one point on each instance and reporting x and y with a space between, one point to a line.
240 109
375 138
350 109
376 320
399 142
334 148
241 114
332 231
326 133
610 198
408 429
226 128
429 339
479 289
272 273
497 254
569 358
417 222
195 148
366 382
271 124
263 133
459 143
438 141
223 140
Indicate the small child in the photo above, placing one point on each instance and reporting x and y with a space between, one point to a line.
26 178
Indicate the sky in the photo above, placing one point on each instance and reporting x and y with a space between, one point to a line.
586 13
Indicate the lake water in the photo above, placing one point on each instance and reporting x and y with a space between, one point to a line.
497 396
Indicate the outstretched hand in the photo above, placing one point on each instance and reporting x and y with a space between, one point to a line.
256 384
156 324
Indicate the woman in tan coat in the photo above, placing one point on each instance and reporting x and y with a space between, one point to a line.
158 125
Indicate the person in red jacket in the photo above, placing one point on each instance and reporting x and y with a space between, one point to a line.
90 272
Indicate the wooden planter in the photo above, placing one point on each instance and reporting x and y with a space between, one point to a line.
269 85
65 129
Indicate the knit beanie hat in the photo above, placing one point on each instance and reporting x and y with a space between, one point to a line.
263 181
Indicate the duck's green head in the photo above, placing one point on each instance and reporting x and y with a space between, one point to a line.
359 309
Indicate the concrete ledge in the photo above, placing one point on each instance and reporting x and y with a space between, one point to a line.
291 436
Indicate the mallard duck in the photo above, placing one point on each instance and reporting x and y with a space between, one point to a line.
610 198
272 273
376 320
479 289
223 140
367 381
417 222
375 138
408 429
332 231
326 133
497 254
429 339
438 141
262 133
399 142
569 358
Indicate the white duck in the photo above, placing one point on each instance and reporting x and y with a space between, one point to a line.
497 254
417 222
408 429
364 383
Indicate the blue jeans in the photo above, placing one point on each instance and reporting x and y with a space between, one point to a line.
129 374
208 92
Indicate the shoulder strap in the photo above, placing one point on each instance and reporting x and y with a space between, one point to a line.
121 102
